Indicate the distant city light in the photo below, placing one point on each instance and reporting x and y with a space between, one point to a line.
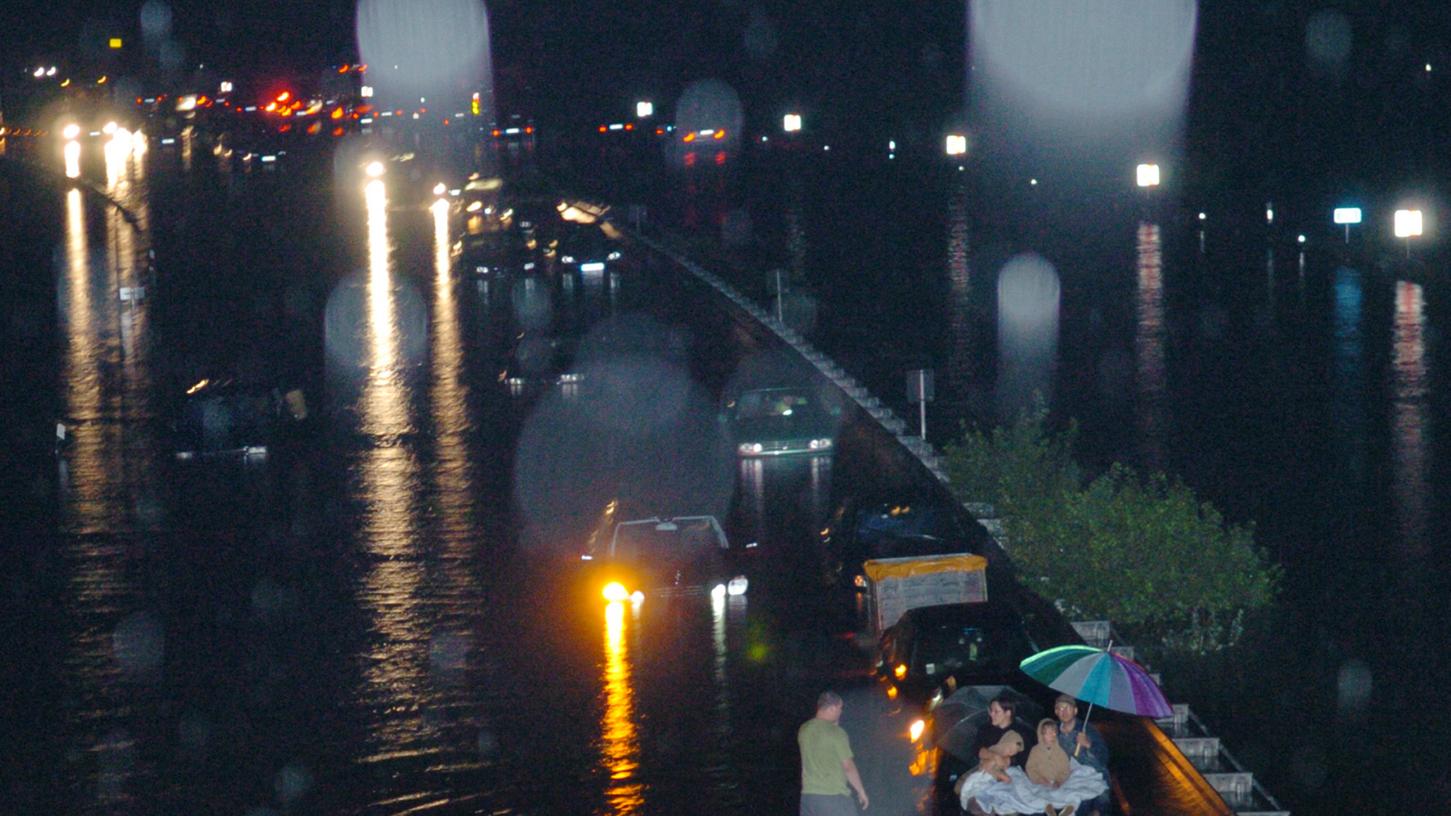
1300 239
50 71
644 109
1269 213
1408 223
1203 216
1428 67
892 144
1347 215
366 91
115 43
1032 182
225 87
1147 175
791 122
39 72
956 144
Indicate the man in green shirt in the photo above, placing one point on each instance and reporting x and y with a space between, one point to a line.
826 764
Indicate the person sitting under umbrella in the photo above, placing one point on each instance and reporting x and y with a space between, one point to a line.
1082 741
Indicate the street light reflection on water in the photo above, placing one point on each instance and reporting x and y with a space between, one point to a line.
395 665
619 738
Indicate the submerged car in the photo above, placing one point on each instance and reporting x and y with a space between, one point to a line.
779 422
856 533
663 557
219 418
540 361
589 250
973 643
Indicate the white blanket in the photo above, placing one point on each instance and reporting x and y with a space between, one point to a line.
1023 795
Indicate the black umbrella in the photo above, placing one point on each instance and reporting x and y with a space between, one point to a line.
957 719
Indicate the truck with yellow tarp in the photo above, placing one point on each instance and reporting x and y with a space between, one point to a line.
895 585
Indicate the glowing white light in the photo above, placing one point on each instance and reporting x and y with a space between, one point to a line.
72 159
50 72
440 189
1086 57
1269 215
225 87
1300 239
1347 215
1148 175
1203 216
644 109
375 169
956 144
1408 223
891 144
71 131
791 122
1428 67
1032 182
366 91
109 128
39 72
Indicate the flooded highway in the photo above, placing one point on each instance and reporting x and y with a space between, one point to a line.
387 614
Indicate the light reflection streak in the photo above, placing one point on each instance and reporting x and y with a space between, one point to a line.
1348 376
620 742
396 664
86 470
188 136
72 152
1149 344
959 317
1409 414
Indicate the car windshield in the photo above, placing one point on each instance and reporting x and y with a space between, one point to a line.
774 403
954 645
658 541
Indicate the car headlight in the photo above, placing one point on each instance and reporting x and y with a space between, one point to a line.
566 259
916 729
749 447
613 256
737 585
571 377
615 592
820 444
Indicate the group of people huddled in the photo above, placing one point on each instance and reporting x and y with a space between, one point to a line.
1060 770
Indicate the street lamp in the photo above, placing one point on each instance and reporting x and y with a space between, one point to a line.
791 122
1408 225
956 144
1147 175
644 109
1347 216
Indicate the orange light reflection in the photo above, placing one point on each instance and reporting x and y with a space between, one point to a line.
620 744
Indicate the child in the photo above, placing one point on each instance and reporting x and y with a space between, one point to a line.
993 768
1048 765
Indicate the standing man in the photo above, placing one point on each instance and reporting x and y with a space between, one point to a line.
826 765
1082 741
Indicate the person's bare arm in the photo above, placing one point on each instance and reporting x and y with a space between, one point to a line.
855 780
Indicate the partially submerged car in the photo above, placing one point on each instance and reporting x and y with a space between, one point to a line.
221 418
857 532
779 422
539 361
972 642
663 557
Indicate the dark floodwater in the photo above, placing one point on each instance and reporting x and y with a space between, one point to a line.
385 616
1305 393
369 623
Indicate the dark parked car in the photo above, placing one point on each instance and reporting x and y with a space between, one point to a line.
975 643
780 421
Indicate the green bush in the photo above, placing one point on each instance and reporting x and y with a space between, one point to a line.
1145 553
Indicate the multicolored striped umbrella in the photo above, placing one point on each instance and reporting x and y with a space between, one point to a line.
1099 678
